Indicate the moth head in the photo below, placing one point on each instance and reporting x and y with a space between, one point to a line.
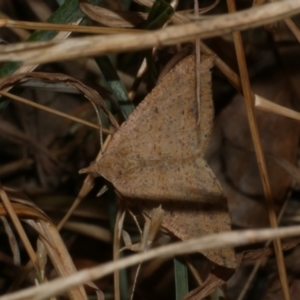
111 166
92 169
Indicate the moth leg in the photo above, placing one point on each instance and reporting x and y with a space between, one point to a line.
151 227
136 222
144 234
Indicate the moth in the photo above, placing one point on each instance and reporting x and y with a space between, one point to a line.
156 157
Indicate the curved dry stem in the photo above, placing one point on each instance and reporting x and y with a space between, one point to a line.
41 52
225 239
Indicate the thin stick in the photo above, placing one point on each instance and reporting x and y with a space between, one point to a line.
116 249
64 27
213 241
23 34
269 106
260 261
29 68
53 111
198 59
249 101
294 29
98 45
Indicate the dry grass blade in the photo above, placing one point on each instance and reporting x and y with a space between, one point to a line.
116 249
259 263
113 18
53 111
94 231
40 9
269 106
21 33
60 36
130 19
291 169
12 241
50 237
292 26
249 100
58 254
62 27
31 53
198 69
227 239
206 289
53 151
19 227
89 93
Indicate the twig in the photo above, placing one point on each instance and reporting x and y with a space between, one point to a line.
249 101
198 59
99 45
294 29
53 111
259 262
214 241
268 106
64 27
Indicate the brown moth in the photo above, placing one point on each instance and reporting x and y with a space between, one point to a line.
156 158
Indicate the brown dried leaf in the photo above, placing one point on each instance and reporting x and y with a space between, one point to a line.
157 155
238 170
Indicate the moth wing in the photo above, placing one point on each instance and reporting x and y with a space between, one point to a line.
179 180
165 125
191 197
192 220
166 120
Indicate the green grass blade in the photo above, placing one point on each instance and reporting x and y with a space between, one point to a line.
66 13
181 278
159 14
116 85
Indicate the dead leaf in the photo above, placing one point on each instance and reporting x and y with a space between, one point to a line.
238 170
157 154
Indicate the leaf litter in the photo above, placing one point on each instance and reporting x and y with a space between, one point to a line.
145 199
